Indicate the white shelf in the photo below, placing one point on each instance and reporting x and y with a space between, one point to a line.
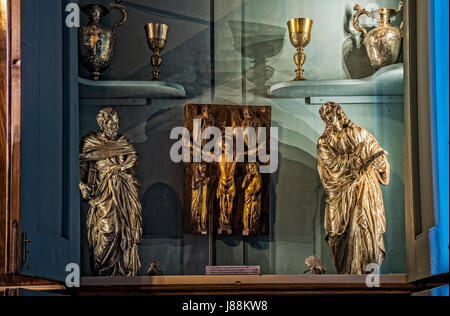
90 89
387 81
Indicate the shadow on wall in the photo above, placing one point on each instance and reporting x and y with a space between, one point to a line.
161 205
355 61
189 65
258 42
161 210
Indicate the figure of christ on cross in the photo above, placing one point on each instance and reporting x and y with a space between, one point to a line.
227 159
226 190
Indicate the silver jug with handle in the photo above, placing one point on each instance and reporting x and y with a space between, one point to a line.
383 44
96 41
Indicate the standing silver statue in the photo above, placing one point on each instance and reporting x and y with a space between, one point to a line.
108 184
352 165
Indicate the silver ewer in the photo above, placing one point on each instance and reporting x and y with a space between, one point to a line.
383 43
96 41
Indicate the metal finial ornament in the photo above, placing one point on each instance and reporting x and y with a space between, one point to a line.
155 270
314 265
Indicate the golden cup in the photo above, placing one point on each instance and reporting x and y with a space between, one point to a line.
157 38
300 35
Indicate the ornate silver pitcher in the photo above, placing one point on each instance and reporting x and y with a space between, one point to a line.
96 41
383 43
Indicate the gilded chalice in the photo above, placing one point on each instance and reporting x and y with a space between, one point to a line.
157 38
300 35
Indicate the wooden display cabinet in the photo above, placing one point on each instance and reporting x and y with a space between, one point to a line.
38 235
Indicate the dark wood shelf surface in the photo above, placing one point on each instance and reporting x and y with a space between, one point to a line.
396 284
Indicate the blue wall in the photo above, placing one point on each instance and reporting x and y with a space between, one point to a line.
440 250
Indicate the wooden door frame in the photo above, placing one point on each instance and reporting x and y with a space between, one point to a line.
3 133
11 120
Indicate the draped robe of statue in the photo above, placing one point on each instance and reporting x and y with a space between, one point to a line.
114 220
199 205
252 203
352 165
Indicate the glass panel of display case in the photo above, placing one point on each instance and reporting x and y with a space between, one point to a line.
240 52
